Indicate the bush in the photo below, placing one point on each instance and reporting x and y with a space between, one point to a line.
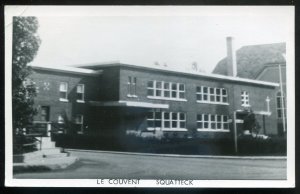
193 146
24 144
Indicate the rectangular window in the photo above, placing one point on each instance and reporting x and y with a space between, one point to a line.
245 99
80 92
211 95
79 123
45 113
79 119
166 90
150 88
60 119
131 86
199 93
209 122
182 91
158 89
63 91
166 120
281 107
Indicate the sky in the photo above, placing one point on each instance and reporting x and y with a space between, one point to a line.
177 37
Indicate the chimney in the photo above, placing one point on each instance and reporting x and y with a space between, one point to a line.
231 58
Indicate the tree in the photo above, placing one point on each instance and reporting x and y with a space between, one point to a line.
26 43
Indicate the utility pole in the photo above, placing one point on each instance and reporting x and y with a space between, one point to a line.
235 133
282 99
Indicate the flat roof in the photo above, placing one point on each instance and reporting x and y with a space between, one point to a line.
68 69
164 69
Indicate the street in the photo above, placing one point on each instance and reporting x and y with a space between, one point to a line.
96 165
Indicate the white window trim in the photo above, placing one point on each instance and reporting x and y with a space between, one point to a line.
208 101
63 100
201 102
213 130
132 96
162 89
170 99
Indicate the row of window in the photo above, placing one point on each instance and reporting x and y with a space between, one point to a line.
212 122
171 90
166 120
177 120
166 90
209 94
63 92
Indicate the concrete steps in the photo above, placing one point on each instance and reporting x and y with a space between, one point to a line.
48 150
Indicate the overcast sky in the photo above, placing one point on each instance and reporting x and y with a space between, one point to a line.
142 38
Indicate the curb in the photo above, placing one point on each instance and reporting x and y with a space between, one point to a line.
44 165
186 156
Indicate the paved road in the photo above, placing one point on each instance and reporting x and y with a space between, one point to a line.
95 165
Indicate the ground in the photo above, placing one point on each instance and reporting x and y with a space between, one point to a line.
97 165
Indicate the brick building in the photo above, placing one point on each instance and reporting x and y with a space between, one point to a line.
119 98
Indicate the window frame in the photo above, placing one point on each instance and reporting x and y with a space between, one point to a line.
131 86
279 106
202 122
245 99
209 95
172 120
65 99
82 93
166 93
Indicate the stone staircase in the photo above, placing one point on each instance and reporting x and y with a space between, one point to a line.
48 150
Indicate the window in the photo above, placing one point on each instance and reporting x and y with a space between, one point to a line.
210 122
150 88
165 90
181 91
79 123
166 120
245 98
211 95
154 119
79 119
280 107
131 86
63 91
45 113
60 119
80 92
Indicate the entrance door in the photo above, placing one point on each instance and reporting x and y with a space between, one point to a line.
45 110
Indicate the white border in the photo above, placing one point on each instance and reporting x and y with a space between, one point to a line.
143 11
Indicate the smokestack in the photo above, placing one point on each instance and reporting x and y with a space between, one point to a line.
231 58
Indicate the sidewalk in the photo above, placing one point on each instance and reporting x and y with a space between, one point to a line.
44 164
187 156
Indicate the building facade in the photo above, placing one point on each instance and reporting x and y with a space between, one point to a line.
120 98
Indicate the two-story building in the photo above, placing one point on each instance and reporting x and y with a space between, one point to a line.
116 98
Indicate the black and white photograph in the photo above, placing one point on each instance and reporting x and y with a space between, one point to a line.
149 96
